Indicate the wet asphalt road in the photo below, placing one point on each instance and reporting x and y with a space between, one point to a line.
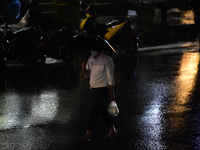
46 108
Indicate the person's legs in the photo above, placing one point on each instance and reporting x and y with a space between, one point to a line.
98 96
106 116
107 120
87 136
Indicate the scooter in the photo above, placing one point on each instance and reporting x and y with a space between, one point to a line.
25 45
120 33
22 42
56 39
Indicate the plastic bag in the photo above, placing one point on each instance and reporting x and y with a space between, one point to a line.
113 108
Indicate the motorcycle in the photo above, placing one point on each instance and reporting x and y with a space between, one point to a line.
56 39
22 42
120 32
34 43
25 45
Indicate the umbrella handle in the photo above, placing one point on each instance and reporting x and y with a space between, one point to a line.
110 46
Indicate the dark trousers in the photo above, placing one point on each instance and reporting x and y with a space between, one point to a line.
99 96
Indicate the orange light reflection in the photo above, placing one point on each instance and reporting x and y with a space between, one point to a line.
185 82
188 17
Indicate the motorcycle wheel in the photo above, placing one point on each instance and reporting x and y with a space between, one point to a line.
37 58
41 60
67 55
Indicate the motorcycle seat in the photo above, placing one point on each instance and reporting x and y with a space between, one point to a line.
13 31
10 29
21 30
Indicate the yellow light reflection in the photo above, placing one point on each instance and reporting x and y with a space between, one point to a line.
184 85
188 17
185 82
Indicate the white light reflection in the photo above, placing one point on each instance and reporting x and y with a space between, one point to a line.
151 122
21 110
44 108
10 112
18 110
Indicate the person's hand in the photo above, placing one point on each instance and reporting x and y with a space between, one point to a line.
111 91
85 72
83 65
112 97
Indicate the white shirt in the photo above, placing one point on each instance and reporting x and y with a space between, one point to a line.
101 71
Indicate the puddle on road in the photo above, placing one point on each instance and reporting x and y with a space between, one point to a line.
155 94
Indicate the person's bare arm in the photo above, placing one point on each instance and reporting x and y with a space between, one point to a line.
85 72
112 95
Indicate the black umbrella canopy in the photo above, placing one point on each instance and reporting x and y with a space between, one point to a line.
88 43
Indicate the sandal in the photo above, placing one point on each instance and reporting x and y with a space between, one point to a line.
85 139
111 136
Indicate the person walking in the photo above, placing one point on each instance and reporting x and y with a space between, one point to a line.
195 4
100 69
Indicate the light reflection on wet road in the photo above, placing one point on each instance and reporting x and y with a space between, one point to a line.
157 93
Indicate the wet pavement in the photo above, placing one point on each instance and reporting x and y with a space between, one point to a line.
46 108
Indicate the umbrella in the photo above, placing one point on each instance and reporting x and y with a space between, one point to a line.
88 43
